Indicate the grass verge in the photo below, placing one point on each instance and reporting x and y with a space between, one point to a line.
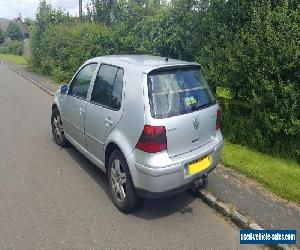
280 176
21 60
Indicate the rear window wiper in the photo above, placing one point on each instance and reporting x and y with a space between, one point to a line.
197 107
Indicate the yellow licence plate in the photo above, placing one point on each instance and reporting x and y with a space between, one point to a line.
198 166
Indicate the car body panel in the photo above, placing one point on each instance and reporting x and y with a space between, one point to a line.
159 168
73 118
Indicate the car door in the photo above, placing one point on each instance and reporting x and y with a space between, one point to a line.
75 104
103 111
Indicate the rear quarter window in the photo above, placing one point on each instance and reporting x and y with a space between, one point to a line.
178 91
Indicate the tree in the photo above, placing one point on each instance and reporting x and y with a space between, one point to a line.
28 21
46 17
1 36
13 31
101 10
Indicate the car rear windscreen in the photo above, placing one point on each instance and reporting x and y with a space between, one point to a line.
178 91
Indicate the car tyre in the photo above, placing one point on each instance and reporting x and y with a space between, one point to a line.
121 186
58 129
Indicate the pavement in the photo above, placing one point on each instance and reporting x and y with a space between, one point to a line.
253 200
54 198
42 81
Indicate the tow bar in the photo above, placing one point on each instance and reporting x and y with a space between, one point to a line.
200 182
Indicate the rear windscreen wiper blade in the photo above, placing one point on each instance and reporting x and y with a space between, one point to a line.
197 107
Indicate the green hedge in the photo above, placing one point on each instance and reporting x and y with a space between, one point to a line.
67 47
246 125
250 49
15 47
258 60
3 50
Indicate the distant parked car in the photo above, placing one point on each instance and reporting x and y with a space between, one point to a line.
151 123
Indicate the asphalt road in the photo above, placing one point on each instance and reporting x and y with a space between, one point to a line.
54 198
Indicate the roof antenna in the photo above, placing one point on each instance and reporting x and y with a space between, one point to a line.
167 59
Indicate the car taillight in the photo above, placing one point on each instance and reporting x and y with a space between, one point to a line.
218 121
153 139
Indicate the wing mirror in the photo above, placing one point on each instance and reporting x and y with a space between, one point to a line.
64 89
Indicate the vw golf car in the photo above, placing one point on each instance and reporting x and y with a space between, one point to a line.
151 123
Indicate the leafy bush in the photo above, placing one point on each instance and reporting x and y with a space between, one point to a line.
246 125
45 18
67 47
249 49
258 60
14 32
3 50
1 36
15 47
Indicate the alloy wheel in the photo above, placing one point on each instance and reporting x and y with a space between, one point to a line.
58 128
118 180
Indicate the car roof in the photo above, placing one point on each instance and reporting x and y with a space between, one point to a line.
146 63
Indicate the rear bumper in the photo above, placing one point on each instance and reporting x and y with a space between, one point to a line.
157 195
157 175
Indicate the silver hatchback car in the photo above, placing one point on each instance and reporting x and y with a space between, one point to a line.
151 123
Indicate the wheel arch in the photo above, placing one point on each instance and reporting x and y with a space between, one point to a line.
108 151
56 103
113 145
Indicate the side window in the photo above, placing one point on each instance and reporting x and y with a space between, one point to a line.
81 82
116 95
108 87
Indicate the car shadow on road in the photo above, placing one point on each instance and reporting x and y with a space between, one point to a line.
147 209
151 209
92 170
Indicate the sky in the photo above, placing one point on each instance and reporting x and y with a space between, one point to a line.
11 8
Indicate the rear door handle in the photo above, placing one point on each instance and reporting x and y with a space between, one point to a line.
81 110
108 121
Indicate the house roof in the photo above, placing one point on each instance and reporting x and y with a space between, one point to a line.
22 26
5 22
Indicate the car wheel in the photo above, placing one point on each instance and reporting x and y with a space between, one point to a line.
120 183
58 129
